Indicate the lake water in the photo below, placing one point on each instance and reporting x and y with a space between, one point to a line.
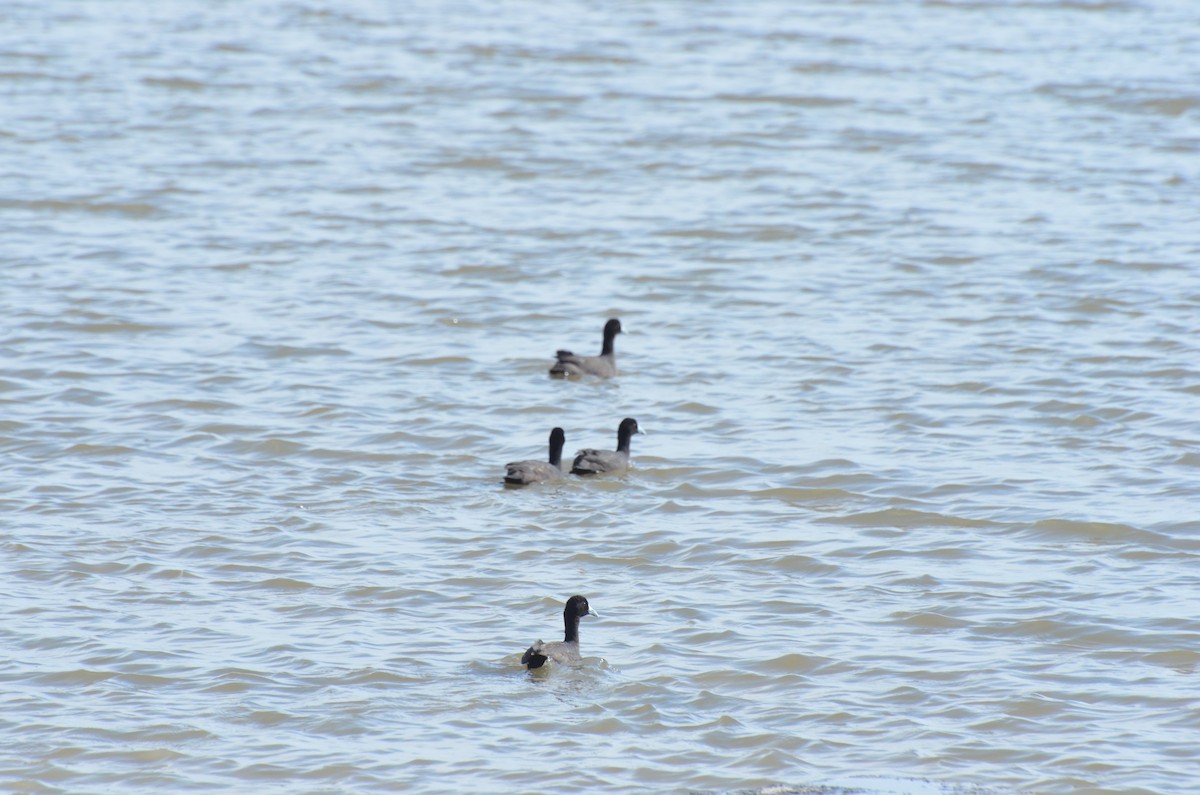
912 301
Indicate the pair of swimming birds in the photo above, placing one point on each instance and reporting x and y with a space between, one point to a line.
587 462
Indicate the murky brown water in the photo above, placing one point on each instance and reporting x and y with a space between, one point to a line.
911 294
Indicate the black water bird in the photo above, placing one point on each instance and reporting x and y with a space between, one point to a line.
603 365
607 462
567 649
523 473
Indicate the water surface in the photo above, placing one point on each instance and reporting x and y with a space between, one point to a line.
911 295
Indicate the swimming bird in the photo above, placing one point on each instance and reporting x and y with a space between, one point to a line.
607 462
603 365
523 473
566 650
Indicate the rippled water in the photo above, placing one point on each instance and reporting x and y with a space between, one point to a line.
911 294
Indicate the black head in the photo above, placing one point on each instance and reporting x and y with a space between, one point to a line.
626 430
611 329
577 607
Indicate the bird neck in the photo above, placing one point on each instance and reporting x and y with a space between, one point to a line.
571 627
